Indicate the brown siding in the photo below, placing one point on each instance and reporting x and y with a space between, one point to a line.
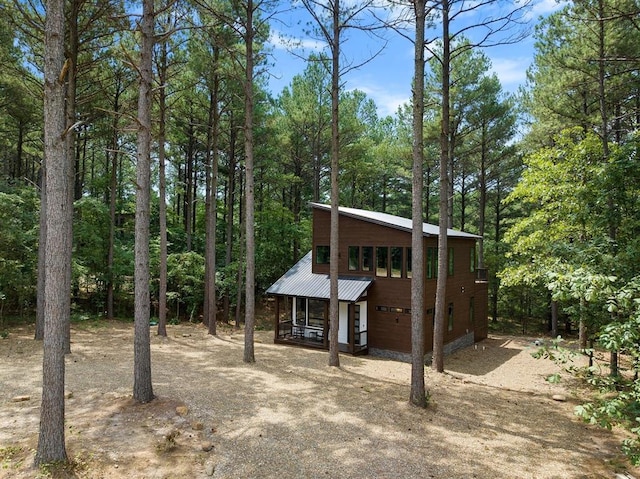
392 330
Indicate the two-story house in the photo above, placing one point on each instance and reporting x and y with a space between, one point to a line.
374 287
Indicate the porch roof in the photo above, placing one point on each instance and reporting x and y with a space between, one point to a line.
301 281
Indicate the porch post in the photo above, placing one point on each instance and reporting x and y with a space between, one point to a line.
351 316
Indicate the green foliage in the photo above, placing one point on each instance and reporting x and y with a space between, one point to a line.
185 280
18 247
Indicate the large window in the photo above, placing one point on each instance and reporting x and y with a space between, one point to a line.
316 313
450 265
322 255
396 262
354 258
382 261
472 259
301 311
432 263
450 317
408 262
367 258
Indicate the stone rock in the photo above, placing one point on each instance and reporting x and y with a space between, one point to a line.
21 398
68 395
206 446
182 410
559 397
210 468
197 426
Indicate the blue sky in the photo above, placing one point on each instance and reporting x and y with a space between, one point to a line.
387 77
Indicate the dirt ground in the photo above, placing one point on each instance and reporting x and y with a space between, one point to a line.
289 415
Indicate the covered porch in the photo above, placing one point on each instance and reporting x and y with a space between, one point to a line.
302 309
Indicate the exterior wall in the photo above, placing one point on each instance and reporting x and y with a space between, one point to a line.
390 330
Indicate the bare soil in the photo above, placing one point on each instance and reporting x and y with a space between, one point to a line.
289 415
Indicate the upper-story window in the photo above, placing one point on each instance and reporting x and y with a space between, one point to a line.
450 265
432 263
322 255
354 258
382 261
367 258
472 259
396 262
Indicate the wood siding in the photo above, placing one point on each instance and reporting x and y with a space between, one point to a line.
391 329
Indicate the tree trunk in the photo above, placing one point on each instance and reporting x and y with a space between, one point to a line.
334 305
249 311
483 195
59 213
162 192
142 386
441 284
212 208
42 245
418 394
231 184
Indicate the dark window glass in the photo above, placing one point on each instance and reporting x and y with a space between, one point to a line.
450 317
382 261
472 259
408 262
301 311
354 258
383 309
322 254
450 265
396 262
316 313
432 263
367 258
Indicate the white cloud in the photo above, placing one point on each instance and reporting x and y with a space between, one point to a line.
283 42
511 72
387 100
545 7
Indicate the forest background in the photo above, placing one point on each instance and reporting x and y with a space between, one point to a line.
549 176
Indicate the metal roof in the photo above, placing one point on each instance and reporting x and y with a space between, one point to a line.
393 221
301 281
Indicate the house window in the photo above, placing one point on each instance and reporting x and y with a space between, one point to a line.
432 263
367 258
408 262
472 259
322 255
316 313
396 262
382 261
450 317
301 311
354 258
450 262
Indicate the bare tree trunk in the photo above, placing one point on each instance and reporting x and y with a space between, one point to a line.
231 184
483 195
418 394
142 385
162 193
212 209
42 245
554 319
249 311
334 305
59 213
441 284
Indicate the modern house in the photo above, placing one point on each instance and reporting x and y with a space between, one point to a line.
374 287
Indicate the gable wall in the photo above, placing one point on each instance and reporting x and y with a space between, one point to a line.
391 330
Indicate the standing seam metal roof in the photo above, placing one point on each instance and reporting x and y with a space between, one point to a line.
393 221
301 281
